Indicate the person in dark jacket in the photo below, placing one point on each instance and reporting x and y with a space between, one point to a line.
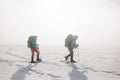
70 43
32 44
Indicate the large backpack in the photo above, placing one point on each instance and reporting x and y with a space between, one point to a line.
68 40
29 42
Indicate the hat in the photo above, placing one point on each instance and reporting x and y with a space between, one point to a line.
75 37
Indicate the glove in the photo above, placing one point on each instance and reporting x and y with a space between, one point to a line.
76 46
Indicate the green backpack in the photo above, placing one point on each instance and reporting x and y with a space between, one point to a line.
68 40
29 42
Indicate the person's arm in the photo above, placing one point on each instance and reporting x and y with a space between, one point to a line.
73 43
37 46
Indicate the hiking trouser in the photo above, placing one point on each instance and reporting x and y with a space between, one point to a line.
71 53
33 52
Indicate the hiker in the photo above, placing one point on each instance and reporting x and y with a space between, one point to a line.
70 43
32 44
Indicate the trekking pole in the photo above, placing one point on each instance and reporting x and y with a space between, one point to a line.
78 53
76 50
39 51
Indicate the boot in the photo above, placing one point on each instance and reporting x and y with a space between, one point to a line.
66 58
72 58
73 61
38 59
32 59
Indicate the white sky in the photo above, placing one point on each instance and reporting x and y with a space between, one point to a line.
94 21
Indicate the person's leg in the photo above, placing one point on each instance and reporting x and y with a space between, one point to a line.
32 57
38 53
71 55
66 57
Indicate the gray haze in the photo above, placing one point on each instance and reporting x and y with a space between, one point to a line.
94 21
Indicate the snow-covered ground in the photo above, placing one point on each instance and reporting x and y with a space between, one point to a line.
95 63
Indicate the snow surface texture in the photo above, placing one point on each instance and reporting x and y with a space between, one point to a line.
92 64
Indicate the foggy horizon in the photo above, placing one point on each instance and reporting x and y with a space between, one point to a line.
94 22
